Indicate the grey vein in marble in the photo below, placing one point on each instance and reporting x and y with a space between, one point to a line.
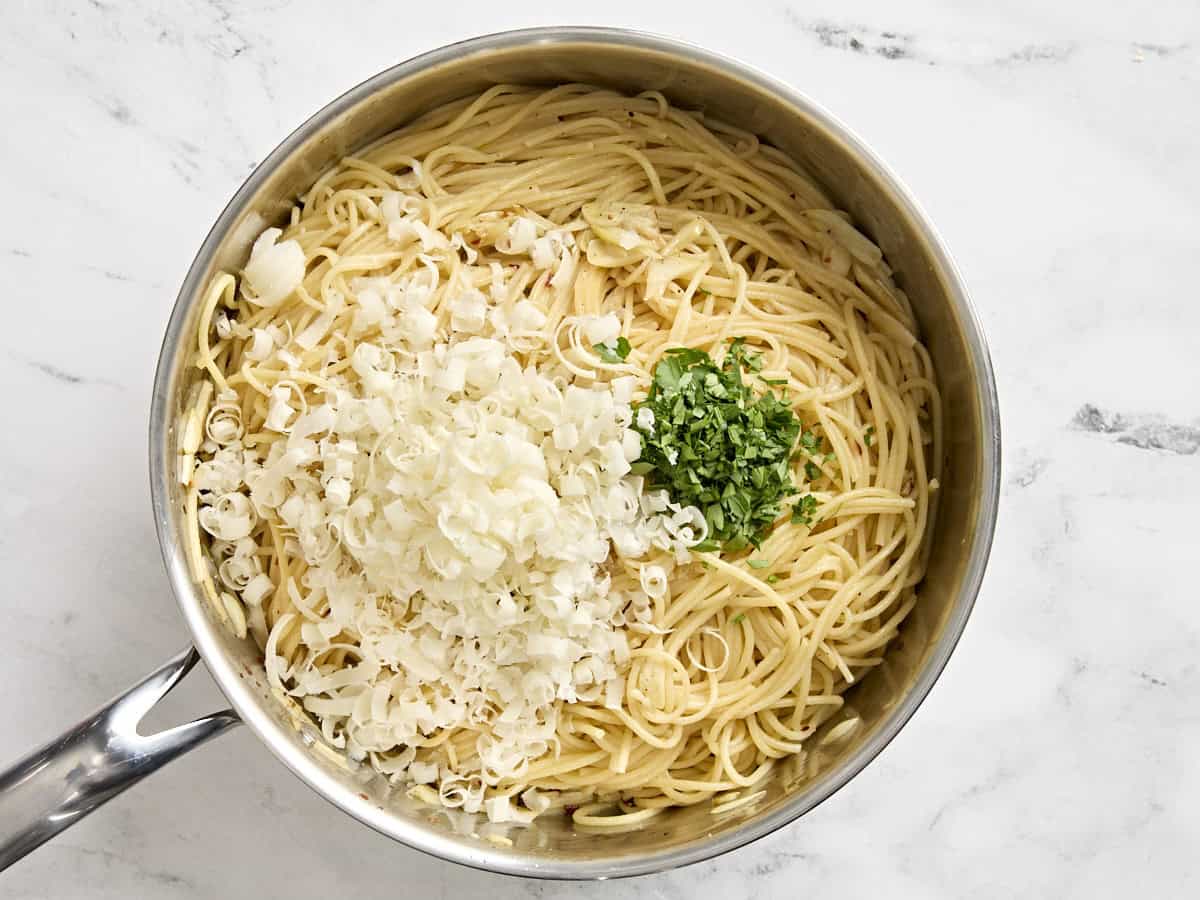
1146 432
900 45
1163 51
1028 472
154 876
905 45
856 38
62 375
1037 53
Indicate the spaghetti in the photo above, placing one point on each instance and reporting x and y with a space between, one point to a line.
585 204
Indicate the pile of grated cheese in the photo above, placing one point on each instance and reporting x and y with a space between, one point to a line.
456 509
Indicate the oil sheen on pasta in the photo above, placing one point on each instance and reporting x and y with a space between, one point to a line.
407 457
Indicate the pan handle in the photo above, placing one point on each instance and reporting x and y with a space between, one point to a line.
56 786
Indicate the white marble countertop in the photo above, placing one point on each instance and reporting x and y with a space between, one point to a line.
1055 145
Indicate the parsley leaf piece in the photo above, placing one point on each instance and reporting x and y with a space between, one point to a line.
772 578
804 510
613 354
869 436
812 470
758 563
738 619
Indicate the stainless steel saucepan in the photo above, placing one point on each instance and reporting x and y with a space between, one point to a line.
97 759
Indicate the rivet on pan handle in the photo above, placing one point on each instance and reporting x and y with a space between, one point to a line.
56 786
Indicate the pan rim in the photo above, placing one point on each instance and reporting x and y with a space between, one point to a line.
251 709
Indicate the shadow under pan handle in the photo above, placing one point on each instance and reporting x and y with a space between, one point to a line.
56 786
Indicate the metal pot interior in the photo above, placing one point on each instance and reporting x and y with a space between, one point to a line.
849 172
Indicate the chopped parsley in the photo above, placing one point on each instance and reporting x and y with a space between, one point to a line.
805 510
738 619
812 470
772 578
869 436
613 354
758 563
718 446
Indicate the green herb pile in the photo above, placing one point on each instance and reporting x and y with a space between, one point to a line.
718 446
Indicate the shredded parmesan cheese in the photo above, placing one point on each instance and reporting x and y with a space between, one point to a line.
274 270
453 508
